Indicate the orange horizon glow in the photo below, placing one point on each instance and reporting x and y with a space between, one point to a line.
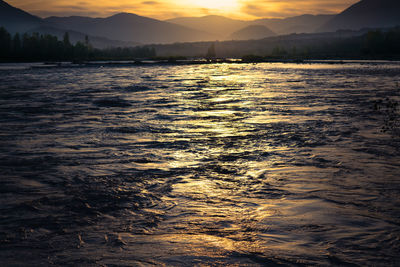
163 9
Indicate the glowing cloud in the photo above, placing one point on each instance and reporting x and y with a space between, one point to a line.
163 9
213 4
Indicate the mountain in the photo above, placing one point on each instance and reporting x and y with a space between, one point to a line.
366 14
118 30
298 24
252 32
218 25
224 27
131 28
17 20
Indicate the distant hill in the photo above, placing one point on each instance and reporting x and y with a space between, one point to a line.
298 24
225 27
17 20
252 32
130 28
220 26
125 29
118 30
366 14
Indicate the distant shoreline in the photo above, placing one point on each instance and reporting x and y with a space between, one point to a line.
114 63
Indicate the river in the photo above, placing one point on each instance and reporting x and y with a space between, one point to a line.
271 164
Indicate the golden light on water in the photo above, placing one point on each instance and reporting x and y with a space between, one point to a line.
209 165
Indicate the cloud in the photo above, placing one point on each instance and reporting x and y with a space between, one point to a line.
275 8
150 3
163 9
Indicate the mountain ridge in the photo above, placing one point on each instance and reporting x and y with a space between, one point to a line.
224 26
17 20
218 25
130 27
125 28
366 14
252 32
305 23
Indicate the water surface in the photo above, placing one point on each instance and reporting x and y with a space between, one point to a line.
229 164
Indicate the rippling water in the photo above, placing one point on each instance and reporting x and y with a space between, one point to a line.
267 164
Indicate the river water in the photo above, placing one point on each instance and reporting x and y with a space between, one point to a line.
227 164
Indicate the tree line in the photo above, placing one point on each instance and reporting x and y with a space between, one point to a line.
46 47
373 44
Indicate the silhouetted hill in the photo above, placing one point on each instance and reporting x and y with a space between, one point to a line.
17 20
224 27
221 26
366 14
298 24
252 32
130 28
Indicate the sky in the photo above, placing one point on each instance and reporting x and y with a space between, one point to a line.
163 9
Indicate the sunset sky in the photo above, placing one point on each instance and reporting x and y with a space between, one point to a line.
163 9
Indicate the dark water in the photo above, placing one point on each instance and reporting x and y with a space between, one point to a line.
239 165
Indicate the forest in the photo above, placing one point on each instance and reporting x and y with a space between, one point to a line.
39 47
366 44
372 44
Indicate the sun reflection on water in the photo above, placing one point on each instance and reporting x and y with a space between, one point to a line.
219 164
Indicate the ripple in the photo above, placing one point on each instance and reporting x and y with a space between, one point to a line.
267 164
